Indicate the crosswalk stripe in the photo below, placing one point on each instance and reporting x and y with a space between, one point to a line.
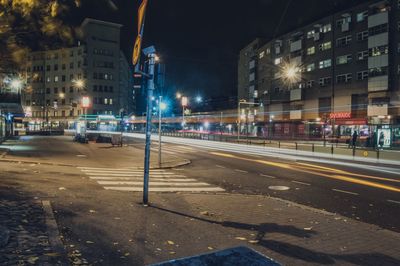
131 179
123 175
118 169
154 183
126 172
141 179
165 189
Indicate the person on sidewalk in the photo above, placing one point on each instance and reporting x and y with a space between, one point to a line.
354 139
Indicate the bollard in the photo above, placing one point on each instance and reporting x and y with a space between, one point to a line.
296 145
312 147
279 144
354 151
332 149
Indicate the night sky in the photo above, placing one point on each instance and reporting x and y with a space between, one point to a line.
199 41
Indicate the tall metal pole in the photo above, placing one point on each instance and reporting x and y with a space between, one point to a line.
159 131
150 88
183 120
238 129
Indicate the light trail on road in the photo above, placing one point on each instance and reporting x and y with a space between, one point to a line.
313 172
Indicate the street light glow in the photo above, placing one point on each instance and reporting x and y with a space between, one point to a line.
79 83
178 95
199 99
163 106
290 73
16 84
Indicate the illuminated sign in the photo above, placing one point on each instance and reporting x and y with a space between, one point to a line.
184 101
343 115
85 102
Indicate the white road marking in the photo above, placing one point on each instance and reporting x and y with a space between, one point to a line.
220 166
155 183
141 178
302 183
269 176
344 191
131 179
393 201
240 171
165 189
127 174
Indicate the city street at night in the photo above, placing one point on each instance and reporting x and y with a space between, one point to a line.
199 133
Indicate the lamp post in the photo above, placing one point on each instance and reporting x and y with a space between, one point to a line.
161 106
85 104
184 103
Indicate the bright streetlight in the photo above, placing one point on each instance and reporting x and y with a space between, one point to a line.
178 95
16 84
79 83
199 99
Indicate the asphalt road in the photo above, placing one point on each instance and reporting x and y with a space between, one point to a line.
358 193
364 194
110 227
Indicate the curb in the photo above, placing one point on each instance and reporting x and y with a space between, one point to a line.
36 162
184 162
53 232
180 164
4 153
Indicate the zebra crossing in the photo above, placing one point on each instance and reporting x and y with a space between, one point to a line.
131 179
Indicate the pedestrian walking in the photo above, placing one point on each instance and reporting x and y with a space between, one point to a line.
354 139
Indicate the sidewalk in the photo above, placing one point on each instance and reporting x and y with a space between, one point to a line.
24 238
65 152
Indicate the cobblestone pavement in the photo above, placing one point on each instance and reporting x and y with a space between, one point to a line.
23 237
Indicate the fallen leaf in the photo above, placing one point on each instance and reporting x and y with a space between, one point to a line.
205 213
170 242
307 228
92 211
127 254
32 260
240 238
62 188
89 242
172 252
210 248
253 241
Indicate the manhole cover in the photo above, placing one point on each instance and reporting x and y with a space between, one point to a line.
279 188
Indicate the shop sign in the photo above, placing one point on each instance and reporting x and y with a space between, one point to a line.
342 115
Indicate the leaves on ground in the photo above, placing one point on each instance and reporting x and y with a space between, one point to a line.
240 238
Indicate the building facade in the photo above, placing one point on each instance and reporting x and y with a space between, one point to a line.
335 76
58 79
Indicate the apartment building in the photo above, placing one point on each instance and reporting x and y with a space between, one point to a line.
58 79
329 78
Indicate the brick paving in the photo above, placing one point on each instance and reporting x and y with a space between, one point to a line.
23 232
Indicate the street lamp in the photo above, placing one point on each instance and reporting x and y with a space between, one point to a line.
85 104
199 99
161 107
184 103
178 95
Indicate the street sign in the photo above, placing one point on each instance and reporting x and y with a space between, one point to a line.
137 50
138 42
141 14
